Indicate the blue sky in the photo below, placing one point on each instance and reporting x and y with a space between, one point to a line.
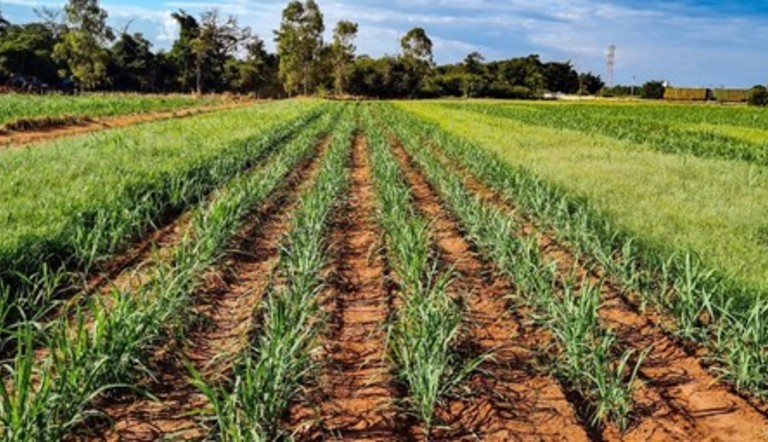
689 43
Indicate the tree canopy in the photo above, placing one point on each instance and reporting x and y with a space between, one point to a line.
213 53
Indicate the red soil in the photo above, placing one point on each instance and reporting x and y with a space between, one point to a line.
353 398
506 400
226 303
677 398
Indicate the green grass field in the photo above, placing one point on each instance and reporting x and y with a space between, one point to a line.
15 107
435 258
715 207
76 198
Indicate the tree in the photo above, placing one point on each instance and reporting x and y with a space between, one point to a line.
561 77
82 43
299 44
367 77
181 53
590 84
216 42
26 51
258 71
132 66
653 90
417 45
758 96
474 64
417 58
342 53
3 23
52 19
525 72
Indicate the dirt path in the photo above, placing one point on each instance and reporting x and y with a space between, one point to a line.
18 139
679 400
227 302
353 398
507 401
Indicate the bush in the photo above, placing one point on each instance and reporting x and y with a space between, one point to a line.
652 90
758 96
503 90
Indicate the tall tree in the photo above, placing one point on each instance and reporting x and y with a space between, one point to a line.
590 84
181 53
217 41
417 58
3 22
26 51
521 71
299 45
417 45
253 69
343 53
561 77
133 63
82 44
473 64
51 18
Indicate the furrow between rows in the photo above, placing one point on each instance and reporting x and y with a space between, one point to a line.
504 400
677 398
353 398
225 305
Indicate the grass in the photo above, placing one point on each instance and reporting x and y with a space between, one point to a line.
668 202
423 334
706 308
15 109
654 127
107 344
74 202
586 350
278 359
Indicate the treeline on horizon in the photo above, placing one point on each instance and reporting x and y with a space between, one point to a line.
73 49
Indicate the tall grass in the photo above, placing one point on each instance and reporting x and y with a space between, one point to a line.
708 309
108 344
423 335
16 107
586 350
278 359
74 212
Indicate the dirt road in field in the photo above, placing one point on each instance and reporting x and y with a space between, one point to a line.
676 399
505 399
354 396
26 138
226 305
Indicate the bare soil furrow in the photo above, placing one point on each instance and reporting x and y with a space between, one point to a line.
505 400
117 270
678 399
353 397
225 309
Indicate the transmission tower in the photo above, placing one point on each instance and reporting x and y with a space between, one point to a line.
610 61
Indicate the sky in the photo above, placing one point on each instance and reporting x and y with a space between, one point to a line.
710 43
